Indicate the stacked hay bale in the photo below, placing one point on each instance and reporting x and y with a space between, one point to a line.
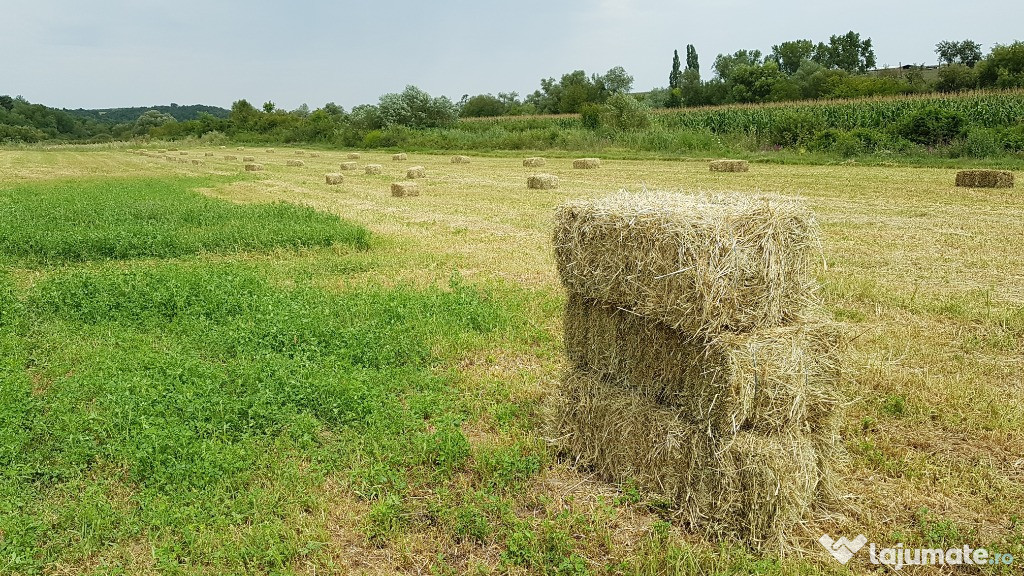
984 179
698 367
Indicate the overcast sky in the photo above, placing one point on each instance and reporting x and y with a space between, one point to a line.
120 53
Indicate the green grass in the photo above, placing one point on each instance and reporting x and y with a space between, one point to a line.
51 222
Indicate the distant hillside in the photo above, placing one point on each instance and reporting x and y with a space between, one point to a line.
129 115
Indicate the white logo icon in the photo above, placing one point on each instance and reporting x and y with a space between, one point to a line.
843 549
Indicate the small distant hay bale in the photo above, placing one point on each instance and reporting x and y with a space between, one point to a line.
400 156
300 152
373 168
542 182
295 163
701 263
729 166
183 152
355 156
586 163
196 162
233 157
534 162
162 151
172 149
334 178
240 148
768 381
400 189
460 159
984 179
252 167
751 487
314 155
348 166
223 147
416 172
208 154
270 150
247 158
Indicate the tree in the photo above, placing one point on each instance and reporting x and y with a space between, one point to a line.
956 77
151 119
243 115
617 81
1003 67
269 107
847 52
691 59
416 109
6 102
725 64
675 77
967 52
790 55
482 105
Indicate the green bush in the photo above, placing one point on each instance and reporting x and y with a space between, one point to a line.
590 115
793 128
1013 138
627 113
932 126
982 143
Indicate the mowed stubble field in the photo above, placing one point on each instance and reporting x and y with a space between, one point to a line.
927 279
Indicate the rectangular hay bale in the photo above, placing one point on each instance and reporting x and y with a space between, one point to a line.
984 179
400 156
253 167
702 264
373 168
352 155
402 189
295 163
542 182
534 162
460 159
729 166
416 172
769 380
750 487
586 163
334 178
348 166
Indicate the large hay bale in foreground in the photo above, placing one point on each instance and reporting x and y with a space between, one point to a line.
542 182
247 158
400 189
416 172
769 381
984 179
253 167
703 264
348 166
295 163
586 163
534 162
352 155
747 486
334 178
729 166
400 156
460 159
373 168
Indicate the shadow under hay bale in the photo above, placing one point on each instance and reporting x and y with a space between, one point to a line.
348 166
400 156
416 172
373 168
747 486
586 163
295 163
253 167
542 182
729 166
334 178
402 189
703 264
984 179
534 162
460 159
769 381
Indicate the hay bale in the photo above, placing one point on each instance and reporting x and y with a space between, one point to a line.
984 179
703 264
334 178
247 158
314 155
230 157
196 162
183 153
240 148
460 159
270 150
748 486
161 151
769 381
348 166
400 189
542 182
295 163
172 149
729 166
300 153
355 156
208 154
416 172
586 163
534 162
373 168
253 167
401 156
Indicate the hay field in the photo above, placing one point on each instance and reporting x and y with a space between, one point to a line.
927 279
